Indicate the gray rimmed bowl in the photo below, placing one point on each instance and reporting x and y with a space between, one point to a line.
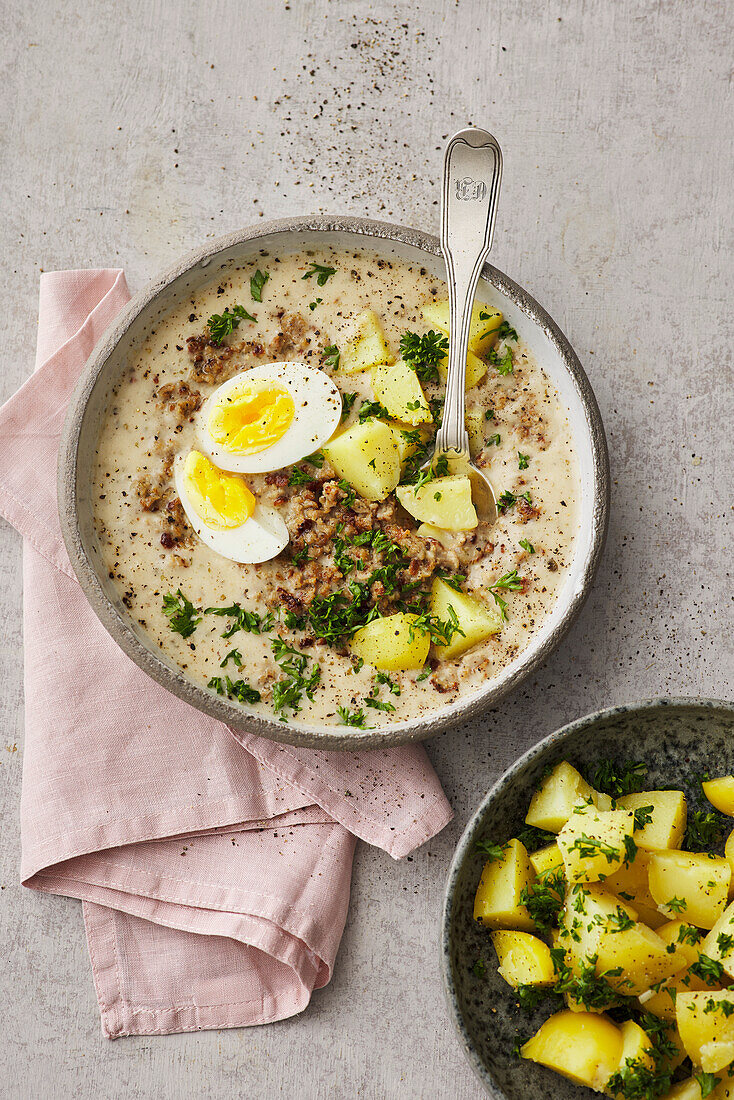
678 739
109 359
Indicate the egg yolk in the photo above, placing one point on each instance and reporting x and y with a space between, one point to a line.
221 500
252 418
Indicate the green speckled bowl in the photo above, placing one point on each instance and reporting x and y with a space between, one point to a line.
678 739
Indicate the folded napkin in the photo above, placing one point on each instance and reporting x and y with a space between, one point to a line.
213 865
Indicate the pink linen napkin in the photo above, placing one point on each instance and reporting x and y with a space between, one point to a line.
213 866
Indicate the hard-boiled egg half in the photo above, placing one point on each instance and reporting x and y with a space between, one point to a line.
261 420
269 417
225 514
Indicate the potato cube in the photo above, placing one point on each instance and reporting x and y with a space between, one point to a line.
444 502
690 885
365 345
546 860
639 955
476 369
398 390
593 842
719 944
497 901
630 883
685 939
582 1046
706 1025
554 801
367 456
476 620
482 329
661 1002
391 643
669 817
720 793
523 959
588 912
636 1048
684 1090
725 1088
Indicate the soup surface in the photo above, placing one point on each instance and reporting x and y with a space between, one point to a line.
298 637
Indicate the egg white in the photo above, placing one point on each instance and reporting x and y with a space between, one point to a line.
318 410
259 538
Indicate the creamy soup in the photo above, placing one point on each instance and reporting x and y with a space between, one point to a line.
285 637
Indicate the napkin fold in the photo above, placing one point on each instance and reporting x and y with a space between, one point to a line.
213 865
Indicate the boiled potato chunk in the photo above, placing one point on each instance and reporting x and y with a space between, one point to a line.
523 959
546 860
481 330
391 643
497 901
695 883
365 346
720 793
588 913
684 1090
662 1002
669 818
476 620
367 456
444 502
706 1025
476 369
592 842
398 390
582 1046
554 801
639 955
679 934
636 1048
729 856
725 1088
437 533
631 881
719 944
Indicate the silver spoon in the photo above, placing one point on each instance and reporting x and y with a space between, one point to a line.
472 171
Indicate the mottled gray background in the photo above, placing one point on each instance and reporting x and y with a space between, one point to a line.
132 131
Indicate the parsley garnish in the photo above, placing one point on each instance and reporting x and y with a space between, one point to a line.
321 272
299 477
371 408
494 440
348 400
379 704
249 621
222 324
351 495
317 459
257 282
510 581
331 356
490 850
544 899
724 942
642 817
617 779
707 1082
687 933
522 461
422 353
353 718
708 970
528 546
233 655
317 302
479 969
180 612
534 838
503 364
507 499
489 414
288 692
590 846
704 831
383 678
677 905
505 331
237 689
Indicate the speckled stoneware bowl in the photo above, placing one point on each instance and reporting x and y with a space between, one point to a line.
678 739
110 358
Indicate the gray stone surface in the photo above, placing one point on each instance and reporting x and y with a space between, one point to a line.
134 130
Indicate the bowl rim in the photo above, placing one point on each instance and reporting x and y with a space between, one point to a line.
474 825
222 709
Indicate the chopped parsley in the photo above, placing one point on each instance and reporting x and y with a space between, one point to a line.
257 282
379 704
350 494
708 970
321 271
522 461
724 942
489 414
510 581
331 356
369 409
502 363
688 934
249 621
677 905
505 331
181 614
705 830
289 691
507 499
316 302
235 689
617 779
317 459
383 678
233 655
494 440
348 400
533 838
491 851
527 546
222 324
355 718
544 899
643 816
423 353
707 1082
590 846
479 969
299 477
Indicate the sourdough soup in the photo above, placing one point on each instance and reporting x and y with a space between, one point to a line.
370 560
